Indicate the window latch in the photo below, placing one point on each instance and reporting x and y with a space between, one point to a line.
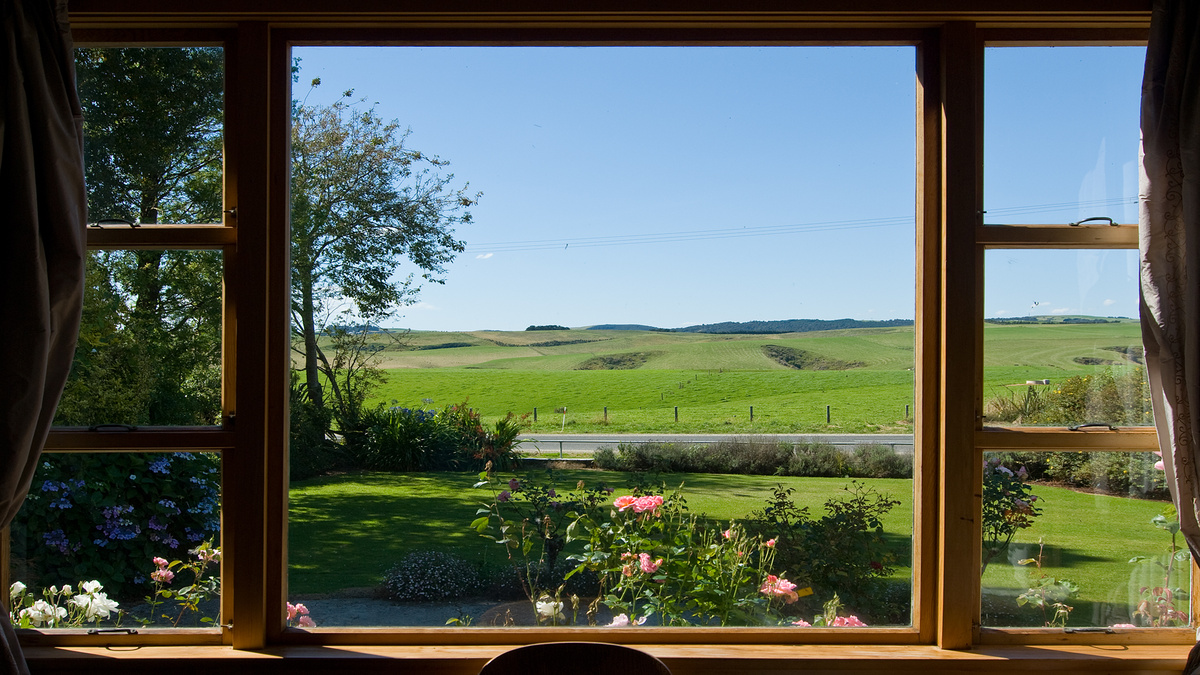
119 631
1094 219
99 224
1090 425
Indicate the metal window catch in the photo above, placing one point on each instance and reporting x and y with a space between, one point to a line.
99 224
1097 629
1090 220
1081 427
113 427
119 631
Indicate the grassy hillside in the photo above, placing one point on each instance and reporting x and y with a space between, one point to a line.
714 379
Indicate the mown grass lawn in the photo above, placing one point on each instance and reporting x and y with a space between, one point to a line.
347 530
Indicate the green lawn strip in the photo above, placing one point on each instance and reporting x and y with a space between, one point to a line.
1089 539
346 530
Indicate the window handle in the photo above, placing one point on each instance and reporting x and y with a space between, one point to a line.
123 631
1096 218
1081 427
113 427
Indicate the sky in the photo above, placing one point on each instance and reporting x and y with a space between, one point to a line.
672 186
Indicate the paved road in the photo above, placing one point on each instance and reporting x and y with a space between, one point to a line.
586 444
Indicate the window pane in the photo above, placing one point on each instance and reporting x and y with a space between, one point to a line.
152 123
101 523
1094 542
668 240
149 350
1061 134
1062 341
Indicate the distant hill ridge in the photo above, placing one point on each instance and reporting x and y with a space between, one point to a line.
784 326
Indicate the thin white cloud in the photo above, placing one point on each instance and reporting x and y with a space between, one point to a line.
1109 302
1063 310
421 306
484 256
1002 312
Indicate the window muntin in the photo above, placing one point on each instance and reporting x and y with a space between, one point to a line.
1094 542
1062 343
1061 134
650 105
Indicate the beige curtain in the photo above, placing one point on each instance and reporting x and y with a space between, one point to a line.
1170 211
43 210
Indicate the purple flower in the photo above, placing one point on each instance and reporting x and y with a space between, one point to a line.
503 496
514 484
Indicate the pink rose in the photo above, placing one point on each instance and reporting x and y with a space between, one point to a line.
647 566
802 623
727 533
162 575
774 586
851 621
649 503
160 562
625 502
291 612
770 543
307 622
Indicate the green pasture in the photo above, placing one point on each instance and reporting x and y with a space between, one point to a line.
715 379
347 530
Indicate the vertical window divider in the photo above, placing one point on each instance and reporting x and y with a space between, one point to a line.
961 139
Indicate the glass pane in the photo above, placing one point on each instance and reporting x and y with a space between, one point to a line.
135 537
1081 539
149 349
1061 134
152 124
669 240
1062 341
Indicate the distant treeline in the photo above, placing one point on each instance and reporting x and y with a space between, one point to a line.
751 327
1053 320
792 326
548 327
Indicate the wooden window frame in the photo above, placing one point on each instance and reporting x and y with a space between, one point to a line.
949 436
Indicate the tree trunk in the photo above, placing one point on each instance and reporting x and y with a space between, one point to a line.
312 371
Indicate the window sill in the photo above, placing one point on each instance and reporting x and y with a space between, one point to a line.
682 659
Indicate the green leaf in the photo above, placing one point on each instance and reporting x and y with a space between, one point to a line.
479 524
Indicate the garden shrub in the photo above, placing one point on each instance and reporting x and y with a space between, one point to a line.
1116 396
750 457
843 552
878 461
455 438
431 576
93 516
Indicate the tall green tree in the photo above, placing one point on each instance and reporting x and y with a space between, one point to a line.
362 204
150 350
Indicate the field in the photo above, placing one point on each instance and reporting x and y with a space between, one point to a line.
347 530
642 376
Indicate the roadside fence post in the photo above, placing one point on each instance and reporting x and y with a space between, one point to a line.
826 414
751 413
676 413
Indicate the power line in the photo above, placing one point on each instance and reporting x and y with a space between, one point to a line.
765 231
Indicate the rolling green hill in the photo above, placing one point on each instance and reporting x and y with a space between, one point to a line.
641 376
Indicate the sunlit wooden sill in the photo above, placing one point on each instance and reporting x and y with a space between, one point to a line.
682 659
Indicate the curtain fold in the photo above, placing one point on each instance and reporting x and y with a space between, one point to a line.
1170 258
44 213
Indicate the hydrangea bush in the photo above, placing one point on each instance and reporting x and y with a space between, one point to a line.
88 515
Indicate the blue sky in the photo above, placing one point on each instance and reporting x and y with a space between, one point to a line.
675 186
